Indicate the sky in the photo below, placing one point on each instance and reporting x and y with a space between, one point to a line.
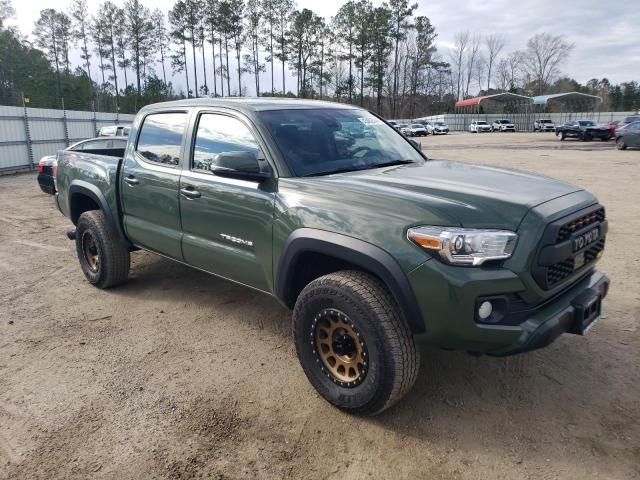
604 33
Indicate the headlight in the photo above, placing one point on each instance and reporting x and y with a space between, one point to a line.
464 246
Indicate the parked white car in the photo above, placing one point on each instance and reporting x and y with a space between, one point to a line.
417 130
503 125
544 125
437 128
479 126
403 127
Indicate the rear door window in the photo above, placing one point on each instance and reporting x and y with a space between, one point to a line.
160 138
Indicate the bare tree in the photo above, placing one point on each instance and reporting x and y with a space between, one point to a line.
494 44
509 71
472 59
543 56
457 56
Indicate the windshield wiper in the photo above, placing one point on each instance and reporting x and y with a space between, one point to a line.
364 167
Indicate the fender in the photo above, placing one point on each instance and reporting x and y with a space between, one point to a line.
358 252
89 190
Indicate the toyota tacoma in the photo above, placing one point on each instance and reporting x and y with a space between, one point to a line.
373 247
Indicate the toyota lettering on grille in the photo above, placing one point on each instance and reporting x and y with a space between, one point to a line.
586 239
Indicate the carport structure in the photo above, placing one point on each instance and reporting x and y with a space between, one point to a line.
569 105
511 105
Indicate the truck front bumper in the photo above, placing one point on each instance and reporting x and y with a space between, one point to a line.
450 307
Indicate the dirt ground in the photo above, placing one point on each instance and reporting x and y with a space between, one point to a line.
180 375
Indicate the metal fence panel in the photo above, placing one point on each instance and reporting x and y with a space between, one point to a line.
12 130
12 157
27 134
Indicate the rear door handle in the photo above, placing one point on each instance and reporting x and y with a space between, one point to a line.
131 180
190 193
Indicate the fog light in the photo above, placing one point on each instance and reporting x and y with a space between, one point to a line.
485 310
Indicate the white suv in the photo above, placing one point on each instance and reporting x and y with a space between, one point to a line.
479 126
544 125
503 125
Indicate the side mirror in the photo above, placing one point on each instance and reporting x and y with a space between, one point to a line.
241 165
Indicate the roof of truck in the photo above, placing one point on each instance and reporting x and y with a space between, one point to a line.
253 104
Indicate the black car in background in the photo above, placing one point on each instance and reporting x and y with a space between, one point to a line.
48 166
583 130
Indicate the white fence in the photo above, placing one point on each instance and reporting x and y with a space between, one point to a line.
26 134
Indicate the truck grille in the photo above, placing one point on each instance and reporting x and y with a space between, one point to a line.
570 245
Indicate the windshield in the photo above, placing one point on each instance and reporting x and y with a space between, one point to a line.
587 123
546 121
416 125
482 122
505 121
327 140
440 124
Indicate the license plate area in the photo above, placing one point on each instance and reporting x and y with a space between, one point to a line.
587 308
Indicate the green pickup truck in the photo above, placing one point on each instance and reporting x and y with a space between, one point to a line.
373 247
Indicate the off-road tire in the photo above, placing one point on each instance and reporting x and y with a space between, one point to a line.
393 359
114 258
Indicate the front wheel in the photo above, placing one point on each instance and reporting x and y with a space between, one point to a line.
352 342
620 145
103 255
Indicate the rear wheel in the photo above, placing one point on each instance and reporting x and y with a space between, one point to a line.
103 255
354 346
620 145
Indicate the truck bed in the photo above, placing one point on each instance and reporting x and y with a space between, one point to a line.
96 171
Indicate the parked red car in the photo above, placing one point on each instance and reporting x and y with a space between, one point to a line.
612 128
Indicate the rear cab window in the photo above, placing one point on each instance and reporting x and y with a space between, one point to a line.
160 138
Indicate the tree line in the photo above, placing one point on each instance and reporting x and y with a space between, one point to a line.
381 57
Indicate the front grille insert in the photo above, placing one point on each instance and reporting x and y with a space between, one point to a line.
578 224
557 257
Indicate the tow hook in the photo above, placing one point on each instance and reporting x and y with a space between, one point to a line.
71 234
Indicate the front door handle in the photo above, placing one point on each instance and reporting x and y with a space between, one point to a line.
190 193
131 180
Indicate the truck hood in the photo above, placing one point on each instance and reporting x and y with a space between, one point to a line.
445 192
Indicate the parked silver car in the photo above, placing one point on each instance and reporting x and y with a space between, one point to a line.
628 136
438 128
